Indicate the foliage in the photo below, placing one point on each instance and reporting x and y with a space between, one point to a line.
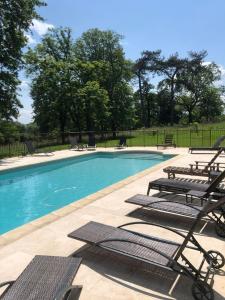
15 19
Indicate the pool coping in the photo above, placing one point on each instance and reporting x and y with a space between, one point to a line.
21 231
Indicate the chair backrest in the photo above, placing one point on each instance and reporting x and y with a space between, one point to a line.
91 140
218 141
214 184
168 138
209 207
73 140
122 140
30 147
215 157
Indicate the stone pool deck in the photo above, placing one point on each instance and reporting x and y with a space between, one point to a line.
104 276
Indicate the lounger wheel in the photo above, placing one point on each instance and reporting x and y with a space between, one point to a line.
220 229
217 259
202 291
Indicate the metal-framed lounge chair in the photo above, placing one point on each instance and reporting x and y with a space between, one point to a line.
215 146
74 143
168 142
189 188
155 251
91 143
47 278
215 215
122 143
200 168
32 149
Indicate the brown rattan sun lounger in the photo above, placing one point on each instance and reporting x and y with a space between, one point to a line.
209 168
168 142
156 251
184 187
215 146
45 278
182 209
91 142
74 145
31 149
122 143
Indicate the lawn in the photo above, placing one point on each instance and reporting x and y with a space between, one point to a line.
202 135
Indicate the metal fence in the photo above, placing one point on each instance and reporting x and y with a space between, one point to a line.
14 146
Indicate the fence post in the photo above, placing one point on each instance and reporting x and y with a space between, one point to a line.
210 136
202 137
190 142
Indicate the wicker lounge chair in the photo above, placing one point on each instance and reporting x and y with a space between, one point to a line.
215 146
168 142
91 143
47 278
183 209
155 251
189 188
33 150
122 142
200 168
74 143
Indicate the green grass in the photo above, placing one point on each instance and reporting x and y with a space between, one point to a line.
205 136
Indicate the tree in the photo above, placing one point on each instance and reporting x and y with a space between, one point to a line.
50 64
195 81
104 46
211 105
142 66
66 91
171 69
15 19
95 100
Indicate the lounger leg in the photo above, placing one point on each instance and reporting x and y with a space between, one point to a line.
148 191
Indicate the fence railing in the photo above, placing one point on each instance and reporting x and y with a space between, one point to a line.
52 142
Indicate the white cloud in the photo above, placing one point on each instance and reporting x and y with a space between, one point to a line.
40 27
30 39
222 79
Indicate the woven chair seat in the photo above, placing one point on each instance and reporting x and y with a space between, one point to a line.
94 232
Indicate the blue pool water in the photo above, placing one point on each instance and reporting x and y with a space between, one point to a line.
31 192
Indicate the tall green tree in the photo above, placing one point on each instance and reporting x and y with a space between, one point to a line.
170 68
66 91
195 81
15 19
105 47
50 64
141 68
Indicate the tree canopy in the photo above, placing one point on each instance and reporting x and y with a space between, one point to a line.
15 19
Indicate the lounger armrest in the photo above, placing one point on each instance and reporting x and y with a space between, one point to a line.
153 224
196 166
7 283
63 294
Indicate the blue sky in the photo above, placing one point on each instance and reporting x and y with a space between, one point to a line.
169 25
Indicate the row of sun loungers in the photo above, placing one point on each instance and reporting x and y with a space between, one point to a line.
74 145
51 277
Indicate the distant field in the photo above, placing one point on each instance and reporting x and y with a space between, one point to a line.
201 135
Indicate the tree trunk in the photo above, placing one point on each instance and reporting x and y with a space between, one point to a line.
148 114
172 104
142 100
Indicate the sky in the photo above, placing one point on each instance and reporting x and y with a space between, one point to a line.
169 25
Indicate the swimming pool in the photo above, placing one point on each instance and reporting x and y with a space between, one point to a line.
31 192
